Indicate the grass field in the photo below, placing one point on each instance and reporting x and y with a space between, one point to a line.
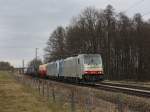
15 97
18 97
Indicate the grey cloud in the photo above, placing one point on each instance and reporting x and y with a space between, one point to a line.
27 24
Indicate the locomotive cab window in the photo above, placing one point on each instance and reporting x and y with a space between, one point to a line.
92 60
78 61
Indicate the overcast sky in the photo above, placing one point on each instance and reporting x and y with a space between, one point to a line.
27 24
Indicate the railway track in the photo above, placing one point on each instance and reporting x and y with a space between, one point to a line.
125 89
126 85
120 88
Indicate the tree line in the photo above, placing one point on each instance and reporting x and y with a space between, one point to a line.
35 63
5 66
123 42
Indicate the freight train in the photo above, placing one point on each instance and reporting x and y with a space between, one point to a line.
85 67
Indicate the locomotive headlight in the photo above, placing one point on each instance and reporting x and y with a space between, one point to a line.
99 72
86 72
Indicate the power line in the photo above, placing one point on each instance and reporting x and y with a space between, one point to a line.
134 5
145 14
111 2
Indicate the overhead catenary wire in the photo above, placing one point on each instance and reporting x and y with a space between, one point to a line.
133 5
109 0
145 14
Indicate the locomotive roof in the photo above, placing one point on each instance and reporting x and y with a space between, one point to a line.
73 57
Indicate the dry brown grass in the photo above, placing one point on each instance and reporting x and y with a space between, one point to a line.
15 97
105 101
27 100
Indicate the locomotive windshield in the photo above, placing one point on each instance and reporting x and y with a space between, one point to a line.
92 60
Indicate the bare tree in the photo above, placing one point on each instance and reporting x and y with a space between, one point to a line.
56 45
122 41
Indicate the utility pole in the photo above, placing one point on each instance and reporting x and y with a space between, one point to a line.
36 50
35 64
23 66
23 63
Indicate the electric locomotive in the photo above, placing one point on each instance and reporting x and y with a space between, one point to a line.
87 67
92 67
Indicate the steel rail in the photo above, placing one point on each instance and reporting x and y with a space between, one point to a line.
126 90
130 90
113 88
126 85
